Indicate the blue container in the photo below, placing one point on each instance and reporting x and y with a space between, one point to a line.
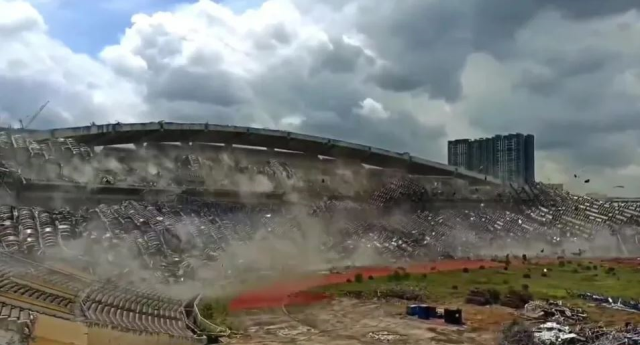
423 312
412 310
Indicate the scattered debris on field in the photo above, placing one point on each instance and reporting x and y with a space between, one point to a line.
384 336
551 333
610 302
553 311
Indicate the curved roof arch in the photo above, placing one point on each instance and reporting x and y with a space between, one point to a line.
157 132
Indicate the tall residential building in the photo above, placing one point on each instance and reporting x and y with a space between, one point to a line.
530 158
457 153
510 158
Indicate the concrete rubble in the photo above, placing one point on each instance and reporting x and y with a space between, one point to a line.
554 311
564 325
610 302
551 333
384 336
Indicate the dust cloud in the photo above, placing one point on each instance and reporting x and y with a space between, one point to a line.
291 243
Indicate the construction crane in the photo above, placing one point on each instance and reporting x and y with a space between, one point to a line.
33 117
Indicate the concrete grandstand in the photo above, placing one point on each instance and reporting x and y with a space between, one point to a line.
91 232
163 132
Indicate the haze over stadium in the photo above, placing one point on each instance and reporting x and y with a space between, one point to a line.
199 148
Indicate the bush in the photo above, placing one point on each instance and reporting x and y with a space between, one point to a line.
358 278
505 282
610 270
482 267
544 274
575 270
524 257
525 287
516 299
506 268
561 264
212 310
494 295
526 276
455 287
397 276
349 280
483 297
215 311
433 268
424 276
465 270
370 277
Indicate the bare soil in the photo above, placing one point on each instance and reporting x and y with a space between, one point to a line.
349 322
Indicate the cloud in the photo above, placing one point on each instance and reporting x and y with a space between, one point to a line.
405 76
371 109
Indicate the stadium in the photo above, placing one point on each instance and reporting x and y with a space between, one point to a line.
119 231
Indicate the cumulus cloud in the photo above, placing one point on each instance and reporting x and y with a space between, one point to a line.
401 75
372 109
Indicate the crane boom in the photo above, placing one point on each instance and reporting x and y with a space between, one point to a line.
34 116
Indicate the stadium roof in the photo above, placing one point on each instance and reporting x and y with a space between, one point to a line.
155 132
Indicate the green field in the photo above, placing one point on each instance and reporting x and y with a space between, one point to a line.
453 286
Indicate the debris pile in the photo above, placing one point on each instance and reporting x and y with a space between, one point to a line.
551 333
294 331
564 325
517 333
598 335
384 336
610 302
553 311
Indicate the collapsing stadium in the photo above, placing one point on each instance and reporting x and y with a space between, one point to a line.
97 219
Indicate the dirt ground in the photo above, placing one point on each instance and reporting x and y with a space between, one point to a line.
350 322
290 292
625 261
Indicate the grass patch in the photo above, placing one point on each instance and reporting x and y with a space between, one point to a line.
543 281
216 311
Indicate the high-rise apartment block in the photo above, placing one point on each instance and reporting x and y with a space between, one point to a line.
510 158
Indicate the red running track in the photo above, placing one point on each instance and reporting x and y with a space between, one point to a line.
295 292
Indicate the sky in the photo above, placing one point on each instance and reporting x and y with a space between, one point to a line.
404 75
